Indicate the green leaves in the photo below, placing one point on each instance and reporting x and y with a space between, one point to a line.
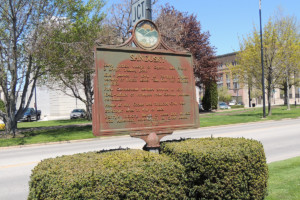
222 168
128 174
224 94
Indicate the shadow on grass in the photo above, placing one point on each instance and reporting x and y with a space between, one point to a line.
58 132
67 121
44 136
25 125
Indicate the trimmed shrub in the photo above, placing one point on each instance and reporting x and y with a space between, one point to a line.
128 174
221 168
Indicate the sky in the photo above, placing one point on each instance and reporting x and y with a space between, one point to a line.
228 21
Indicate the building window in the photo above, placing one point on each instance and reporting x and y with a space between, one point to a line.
228 85
227 77
235 79
282 94
236 85
220 77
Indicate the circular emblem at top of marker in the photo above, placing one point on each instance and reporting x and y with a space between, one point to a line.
146 34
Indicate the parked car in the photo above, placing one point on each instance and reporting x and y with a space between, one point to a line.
77 113
223 105
31 115
233 102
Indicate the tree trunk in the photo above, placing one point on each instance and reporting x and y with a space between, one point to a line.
269 101
288 93
269 89
285 94
11 126
88 90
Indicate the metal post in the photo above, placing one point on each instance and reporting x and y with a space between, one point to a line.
148 10
295 88
35 104
249 93
262 64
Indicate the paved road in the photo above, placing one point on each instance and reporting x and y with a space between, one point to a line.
281 140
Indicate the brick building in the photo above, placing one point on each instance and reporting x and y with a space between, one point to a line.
225 79
239 91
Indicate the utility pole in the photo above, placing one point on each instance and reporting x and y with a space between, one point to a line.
262 65
295 88
35 104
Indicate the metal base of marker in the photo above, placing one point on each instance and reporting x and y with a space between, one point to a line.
152 140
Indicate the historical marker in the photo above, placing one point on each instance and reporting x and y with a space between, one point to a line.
143 91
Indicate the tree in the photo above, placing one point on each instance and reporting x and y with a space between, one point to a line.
20 65
224 95
70 49
206 101
214 95
248 59
183 31
117 28
289 42
210 98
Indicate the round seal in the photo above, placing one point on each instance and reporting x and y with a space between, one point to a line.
146 34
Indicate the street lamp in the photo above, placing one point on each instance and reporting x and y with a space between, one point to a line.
262 64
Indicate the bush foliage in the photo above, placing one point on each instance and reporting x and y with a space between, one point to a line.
222 168
214 95
210 98
127 174
2 106
211 168
206 101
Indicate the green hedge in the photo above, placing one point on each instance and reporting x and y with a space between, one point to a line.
222 168
127 174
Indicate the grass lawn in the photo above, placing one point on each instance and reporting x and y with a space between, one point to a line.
51 123
44 136
246 115
284 180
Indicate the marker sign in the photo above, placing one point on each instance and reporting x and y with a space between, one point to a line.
140 92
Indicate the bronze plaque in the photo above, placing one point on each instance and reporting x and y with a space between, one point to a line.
139 91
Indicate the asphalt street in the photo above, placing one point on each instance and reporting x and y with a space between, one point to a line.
281 140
